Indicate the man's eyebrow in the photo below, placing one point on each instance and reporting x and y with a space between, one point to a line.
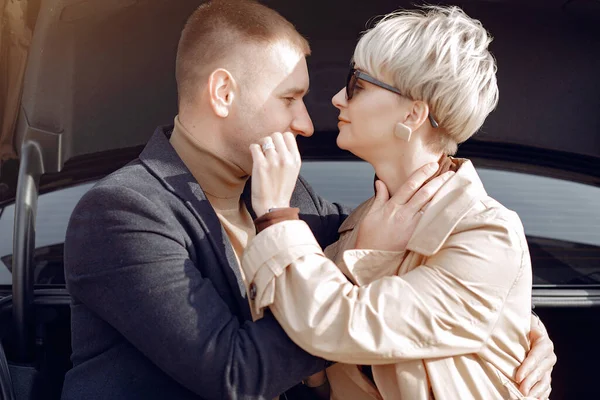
296 91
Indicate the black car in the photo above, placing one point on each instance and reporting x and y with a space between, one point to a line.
99 77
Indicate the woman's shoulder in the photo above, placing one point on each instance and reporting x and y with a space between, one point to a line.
496 224
486 209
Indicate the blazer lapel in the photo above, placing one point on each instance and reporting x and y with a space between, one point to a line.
247 198
160 158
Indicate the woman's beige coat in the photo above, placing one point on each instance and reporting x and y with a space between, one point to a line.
447 319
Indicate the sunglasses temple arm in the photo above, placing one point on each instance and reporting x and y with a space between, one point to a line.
433 121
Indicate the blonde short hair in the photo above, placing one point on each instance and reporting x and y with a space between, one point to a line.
438 55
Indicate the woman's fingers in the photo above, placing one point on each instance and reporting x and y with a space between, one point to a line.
258 157
381 195
426 193
280 144
416 180
292 144
275 172
283 146
269 149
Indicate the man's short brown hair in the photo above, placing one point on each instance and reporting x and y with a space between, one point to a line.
216 27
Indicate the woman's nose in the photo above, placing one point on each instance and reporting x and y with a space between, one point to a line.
339 100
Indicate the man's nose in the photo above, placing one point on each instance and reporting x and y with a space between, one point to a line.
302 124
339 100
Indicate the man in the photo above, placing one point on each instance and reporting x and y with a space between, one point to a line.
152 252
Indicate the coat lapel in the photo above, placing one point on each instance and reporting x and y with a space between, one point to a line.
162 160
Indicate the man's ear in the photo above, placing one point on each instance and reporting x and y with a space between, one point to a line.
221 91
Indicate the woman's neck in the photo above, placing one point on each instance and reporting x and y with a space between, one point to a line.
395 171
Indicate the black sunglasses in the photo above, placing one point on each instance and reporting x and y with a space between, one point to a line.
355 75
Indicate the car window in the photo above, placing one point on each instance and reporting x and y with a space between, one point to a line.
561 218
54 210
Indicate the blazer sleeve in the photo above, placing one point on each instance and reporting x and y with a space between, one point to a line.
446 307
128 262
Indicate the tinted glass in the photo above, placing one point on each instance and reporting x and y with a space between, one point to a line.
54 210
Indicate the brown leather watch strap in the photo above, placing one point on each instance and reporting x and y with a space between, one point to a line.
273 217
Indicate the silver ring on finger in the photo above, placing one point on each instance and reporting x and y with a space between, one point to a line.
267 146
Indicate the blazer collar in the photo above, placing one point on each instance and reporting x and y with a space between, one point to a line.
161 159
445 210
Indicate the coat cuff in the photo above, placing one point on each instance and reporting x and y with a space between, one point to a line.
366 266
270 252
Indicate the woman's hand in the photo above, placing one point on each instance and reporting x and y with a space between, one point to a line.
274 171
390 222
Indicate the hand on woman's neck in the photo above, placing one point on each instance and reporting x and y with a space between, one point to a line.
395 168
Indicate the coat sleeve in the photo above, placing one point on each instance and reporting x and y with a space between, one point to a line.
446 307
128 262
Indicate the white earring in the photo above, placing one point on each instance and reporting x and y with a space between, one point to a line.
403 132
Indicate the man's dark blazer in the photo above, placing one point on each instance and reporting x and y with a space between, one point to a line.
159 309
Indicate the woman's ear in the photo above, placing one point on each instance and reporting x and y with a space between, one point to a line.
221 90
417 115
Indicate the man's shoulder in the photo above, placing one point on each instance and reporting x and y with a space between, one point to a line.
305 197
132 186
302 186
133 178
132 175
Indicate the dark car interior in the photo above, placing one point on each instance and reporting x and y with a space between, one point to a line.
100 78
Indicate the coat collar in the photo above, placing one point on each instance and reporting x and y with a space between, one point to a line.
161 159
445 210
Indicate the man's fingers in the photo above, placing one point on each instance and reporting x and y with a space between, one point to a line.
542 389
536 366
538 330
426 193
414 182
546 395
530 381
531 360
541 355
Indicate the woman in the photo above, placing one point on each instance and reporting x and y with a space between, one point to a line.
450 304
